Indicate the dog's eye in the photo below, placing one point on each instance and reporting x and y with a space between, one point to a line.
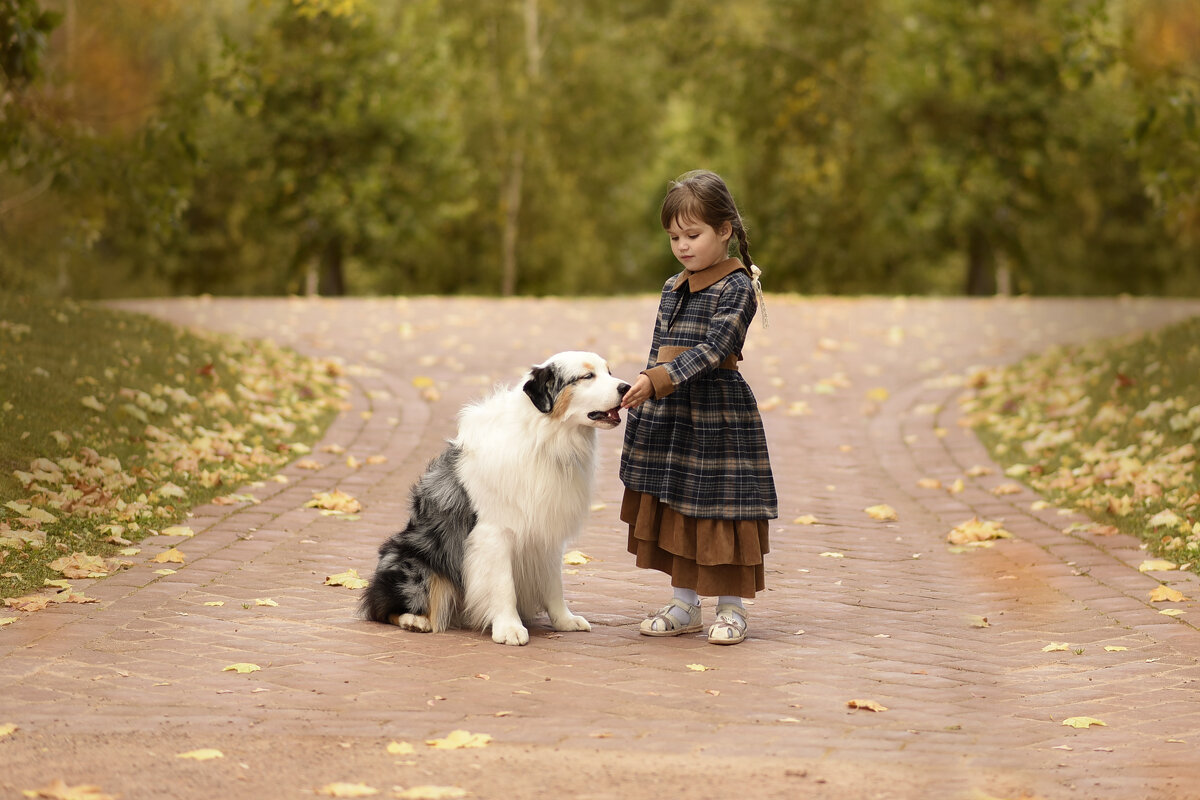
587 377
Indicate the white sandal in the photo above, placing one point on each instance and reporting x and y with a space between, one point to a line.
730 627
664 623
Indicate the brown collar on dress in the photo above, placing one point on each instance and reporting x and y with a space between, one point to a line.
704 278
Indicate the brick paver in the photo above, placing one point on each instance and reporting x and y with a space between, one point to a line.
109 694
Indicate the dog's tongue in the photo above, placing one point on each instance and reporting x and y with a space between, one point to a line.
612 415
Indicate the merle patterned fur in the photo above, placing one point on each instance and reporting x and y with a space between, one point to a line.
432 544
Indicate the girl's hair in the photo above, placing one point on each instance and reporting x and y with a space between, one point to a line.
701 196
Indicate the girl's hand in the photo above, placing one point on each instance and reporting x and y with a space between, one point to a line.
641 391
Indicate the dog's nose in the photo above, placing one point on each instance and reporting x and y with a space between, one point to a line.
622 389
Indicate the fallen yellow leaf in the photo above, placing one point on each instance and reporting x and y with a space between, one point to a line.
337 501
349 579
7 621
172 556
1156 565
867 705
400 749
1165 594
698 667
976 530
929 483
177 530
882 512
347 790
204 754
1055 647
1173 612
832 555
80 565
807 519
432 793
1082 722
8 729
265 601
58 790
29 602
215 603
1115 648
576 558
460 740
242 668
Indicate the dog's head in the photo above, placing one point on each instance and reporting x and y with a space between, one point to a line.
577 388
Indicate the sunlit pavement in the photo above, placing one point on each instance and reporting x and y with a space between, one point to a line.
859 398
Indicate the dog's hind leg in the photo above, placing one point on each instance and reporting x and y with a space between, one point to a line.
491 595
411 622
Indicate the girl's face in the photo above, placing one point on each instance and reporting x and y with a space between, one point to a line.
697 245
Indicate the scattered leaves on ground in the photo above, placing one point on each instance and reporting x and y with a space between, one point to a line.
575 558
1109 428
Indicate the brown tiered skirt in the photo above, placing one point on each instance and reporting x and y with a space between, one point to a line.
711 556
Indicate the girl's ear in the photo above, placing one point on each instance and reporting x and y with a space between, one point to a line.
726 231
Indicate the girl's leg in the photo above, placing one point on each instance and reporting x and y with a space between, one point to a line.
731 626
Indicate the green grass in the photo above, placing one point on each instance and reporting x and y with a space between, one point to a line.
1111 429
115 424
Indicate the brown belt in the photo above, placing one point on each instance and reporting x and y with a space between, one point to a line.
669 352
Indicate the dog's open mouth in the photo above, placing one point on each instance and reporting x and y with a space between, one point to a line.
612 416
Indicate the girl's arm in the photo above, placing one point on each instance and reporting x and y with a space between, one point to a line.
727 329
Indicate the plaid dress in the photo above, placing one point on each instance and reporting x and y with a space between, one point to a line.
701 448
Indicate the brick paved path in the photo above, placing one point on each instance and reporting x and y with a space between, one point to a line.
110 694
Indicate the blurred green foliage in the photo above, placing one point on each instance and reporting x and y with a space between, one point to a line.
523 146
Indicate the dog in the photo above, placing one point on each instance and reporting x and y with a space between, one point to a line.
493 513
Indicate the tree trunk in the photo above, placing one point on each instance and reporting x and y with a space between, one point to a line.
516 174
512 220
333 279
981 265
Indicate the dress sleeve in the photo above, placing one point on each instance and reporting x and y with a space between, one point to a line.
727 329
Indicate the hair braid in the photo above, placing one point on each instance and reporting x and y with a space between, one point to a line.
743 241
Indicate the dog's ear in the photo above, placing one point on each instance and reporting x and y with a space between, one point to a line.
542 387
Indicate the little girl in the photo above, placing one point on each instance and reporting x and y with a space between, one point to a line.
698 483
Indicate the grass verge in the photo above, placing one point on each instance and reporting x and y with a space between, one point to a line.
113 425
1110 428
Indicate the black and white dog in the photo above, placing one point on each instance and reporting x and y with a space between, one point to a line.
493 513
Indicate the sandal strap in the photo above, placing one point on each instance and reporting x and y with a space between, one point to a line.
670 622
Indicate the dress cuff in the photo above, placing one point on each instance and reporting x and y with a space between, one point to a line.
660 379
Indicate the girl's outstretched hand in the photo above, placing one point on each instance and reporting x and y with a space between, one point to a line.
641 391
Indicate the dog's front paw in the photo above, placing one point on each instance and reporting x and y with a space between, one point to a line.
571 622
509 633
